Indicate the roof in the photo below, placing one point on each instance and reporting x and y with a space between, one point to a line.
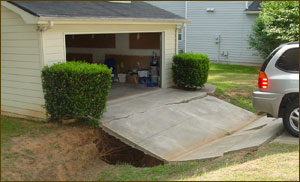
254 6
94 9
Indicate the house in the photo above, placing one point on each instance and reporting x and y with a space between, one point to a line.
39 33
219 29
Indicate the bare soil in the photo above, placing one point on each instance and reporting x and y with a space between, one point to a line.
114 151
236 93
70 153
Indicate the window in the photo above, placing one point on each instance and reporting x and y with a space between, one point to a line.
180 34
268 59
289 61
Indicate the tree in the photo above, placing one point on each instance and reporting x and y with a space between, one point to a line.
277 23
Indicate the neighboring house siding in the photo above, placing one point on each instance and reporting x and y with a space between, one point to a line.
176 7
21 89
228 20
54 46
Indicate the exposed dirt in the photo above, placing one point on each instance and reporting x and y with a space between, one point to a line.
236 93
113 151
67 154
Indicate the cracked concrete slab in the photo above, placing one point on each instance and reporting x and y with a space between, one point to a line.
250 137
169 123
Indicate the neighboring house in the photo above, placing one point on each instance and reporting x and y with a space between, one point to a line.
219 29
39 33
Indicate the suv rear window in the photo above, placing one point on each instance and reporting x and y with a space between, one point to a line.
268 59
289 61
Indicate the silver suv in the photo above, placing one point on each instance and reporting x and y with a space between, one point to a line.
278 84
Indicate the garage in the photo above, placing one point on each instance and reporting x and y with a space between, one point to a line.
127 36
135 59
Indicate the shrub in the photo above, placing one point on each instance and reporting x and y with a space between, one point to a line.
277 23
75 90
190 70
261 41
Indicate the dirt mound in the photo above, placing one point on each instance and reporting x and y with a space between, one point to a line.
67 154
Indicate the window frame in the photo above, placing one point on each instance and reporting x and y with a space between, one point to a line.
180 31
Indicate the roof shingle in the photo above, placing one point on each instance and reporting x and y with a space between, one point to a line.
94 9
254 6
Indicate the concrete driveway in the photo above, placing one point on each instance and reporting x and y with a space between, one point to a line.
169 123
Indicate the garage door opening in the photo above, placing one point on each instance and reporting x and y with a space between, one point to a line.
134 57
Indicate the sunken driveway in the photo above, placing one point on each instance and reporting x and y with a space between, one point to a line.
170 123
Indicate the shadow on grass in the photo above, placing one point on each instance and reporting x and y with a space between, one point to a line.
175 171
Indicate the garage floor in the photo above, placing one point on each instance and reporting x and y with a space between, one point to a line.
119 90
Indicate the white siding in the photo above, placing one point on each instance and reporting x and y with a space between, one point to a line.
21 89
54 46
176 7
228 20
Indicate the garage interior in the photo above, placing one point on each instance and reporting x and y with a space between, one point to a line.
135 59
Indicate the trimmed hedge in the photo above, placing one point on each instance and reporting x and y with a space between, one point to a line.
190 70
75 90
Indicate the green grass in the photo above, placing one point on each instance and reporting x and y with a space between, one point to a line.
11 127
235 84
271 162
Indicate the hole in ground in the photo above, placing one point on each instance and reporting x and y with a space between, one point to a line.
113 151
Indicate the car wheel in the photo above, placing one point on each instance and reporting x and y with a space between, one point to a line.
291 118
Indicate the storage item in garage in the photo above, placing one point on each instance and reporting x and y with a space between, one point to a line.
154 79
132 79
122 77
154 70
154 66
149 84
143 73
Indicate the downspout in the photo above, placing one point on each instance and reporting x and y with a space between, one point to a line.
185 16
176 37
246 5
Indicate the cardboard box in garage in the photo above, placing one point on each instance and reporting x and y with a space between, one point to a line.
132 79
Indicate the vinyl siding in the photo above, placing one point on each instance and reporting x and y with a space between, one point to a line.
21 89
176 7
228 20
54 46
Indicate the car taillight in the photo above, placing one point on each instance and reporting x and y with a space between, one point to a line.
263 81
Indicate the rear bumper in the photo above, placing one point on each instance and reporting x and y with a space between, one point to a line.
267 102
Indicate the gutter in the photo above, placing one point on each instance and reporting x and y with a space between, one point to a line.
252 12
185 16
95 20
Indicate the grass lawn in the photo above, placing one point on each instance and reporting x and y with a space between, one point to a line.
271 162
11 128
41 151
235 84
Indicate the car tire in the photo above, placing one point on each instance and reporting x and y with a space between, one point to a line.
289 115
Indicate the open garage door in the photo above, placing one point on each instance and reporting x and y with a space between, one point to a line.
135 59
